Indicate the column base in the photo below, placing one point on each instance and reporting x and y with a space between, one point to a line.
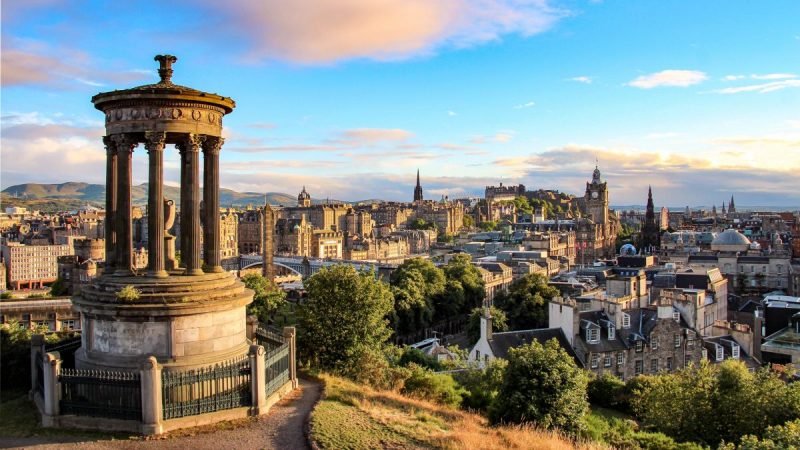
214 269
123 273
158 274
194 272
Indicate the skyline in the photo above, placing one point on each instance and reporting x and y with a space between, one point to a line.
472 93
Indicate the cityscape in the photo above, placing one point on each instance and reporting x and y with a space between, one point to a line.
405 224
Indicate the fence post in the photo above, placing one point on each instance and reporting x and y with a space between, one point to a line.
252 325
258 379
52 389
289 333
37 344
152 413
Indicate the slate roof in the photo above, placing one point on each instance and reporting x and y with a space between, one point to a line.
501 343
600 319
726 342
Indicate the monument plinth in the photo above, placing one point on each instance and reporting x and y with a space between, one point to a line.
185 316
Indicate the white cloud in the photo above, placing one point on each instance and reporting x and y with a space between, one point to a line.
452 113
733 77
773 76
582 79
674 78
525 105
760 88
325 31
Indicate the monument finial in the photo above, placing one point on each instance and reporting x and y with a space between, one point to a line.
165 67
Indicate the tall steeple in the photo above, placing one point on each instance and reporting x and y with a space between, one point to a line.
418 190
651 232
731 206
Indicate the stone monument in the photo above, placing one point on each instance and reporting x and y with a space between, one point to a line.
187 316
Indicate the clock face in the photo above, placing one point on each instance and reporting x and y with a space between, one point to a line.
594 194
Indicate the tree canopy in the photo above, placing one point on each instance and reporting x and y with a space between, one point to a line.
415 285
525 302
343 317
268 297
499 322
542 385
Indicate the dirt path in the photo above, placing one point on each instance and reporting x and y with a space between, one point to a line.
282 429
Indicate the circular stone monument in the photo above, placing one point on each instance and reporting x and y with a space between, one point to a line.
186 315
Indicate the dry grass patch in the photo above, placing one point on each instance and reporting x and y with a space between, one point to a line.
353 416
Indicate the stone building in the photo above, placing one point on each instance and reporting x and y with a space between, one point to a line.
497 277
327 244
82 267
57 314
495 194
596 234
448 216
293 237
31 266
228 235
250 235
651 232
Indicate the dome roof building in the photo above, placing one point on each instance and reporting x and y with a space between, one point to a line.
730 240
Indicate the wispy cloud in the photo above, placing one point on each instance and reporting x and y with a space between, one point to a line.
773 76
262 125
325 31
671 78
452 113
733 77
582 79
761 88
371 136
525 105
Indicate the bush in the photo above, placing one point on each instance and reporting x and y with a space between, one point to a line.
436 387
15 357
128 294
482 385
606 391
412 355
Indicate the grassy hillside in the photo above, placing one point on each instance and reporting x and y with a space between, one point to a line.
65 196
353 416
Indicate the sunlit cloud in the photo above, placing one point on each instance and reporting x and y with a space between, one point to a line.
762 88
669 78
525 105
773 76
582 79
325 31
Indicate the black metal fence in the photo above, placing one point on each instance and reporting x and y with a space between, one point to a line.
205 390
101 393
66 349
277 358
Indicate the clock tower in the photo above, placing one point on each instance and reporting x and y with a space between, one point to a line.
597 198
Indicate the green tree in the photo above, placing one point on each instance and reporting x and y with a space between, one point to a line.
59 288
489 225
343 317
460 269
482 385
422 224
415 285
499 322
525 302
522 205
468 222
268 297
542 385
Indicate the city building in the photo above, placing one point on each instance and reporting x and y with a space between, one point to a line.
31 266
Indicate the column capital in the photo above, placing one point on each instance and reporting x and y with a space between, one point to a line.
155 140
212 145
124 141
111 146
190 142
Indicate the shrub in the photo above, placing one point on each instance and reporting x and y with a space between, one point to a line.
437 387
482 385
606 391
412 355
128 294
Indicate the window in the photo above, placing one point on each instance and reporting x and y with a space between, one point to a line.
654 344
626 320
592 335
620 358
68 325
477 355
611 332
690 339
639 346
638 367
735 351
607 361
654 365
595 360
669 363
720 353
677 340
676 315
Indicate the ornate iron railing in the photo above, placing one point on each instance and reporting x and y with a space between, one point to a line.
205 390
101 393
270 337
277 367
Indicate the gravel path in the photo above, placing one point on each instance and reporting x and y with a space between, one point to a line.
283 428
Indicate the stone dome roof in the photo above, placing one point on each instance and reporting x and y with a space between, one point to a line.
730 237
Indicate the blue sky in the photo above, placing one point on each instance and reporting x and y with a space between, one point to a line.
700 99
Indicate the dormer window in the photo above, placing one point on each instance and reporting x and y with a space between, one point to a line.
735 351
626 321
592 335
720 353
676 315
612 332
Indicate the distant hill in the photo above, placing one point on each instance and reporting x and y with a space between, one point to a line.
50 197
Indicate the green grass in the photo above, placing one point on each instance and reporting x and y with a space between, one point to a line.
19 419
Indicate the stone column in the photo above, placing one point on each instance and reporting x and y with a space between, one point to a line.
52 389
152 412
190 210
154 144
258 379
124 241
111 203
252 326
289 333
37 345
211 148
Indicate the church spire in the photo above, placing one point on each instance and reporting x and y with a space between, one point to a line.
418 190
